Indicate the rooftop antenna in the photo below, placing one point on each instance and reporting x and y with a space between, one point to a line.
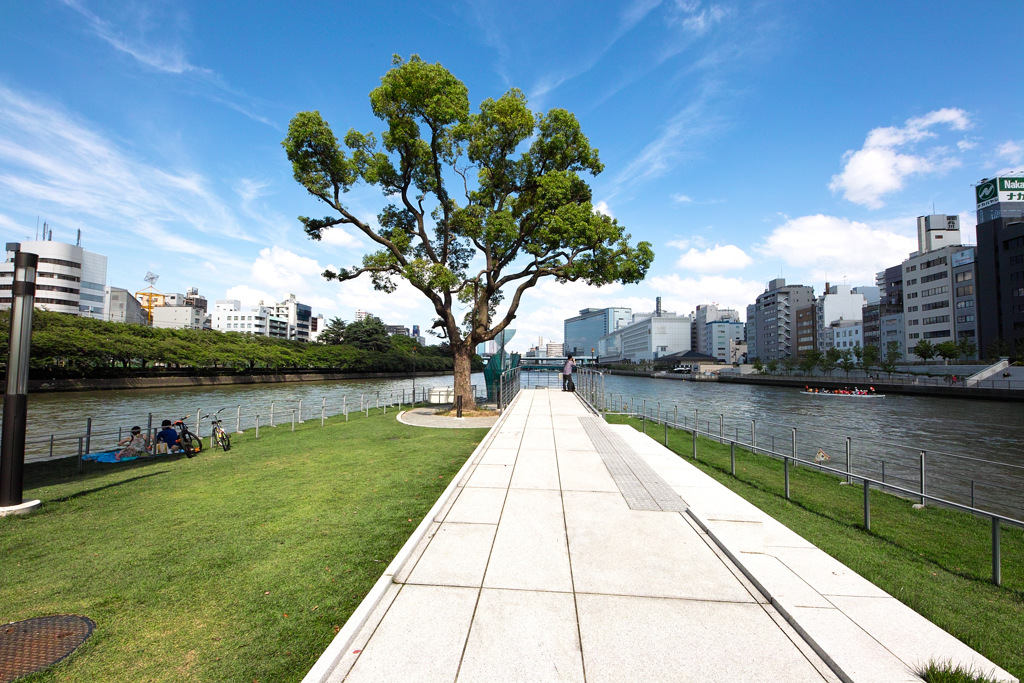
78 241
37 228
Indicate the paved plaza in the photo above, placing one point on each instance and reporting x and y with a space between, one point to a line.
570 549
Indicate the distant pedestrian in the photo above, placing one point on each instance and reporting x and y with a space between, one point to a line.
570 364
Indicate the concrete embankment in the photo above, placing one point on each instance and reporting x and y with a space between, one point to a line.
121 383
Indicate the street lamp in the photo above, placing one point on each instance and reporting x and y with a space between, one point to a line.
12 444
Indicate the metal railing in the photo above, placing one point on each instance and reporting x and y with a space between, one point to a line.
924 495
94 436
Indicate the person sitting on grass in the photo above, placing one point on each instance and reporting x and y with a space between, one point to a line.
135 444
166 438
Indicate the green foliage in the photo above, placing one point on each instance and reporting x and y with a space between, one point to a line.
869 357
966 347
830 360
809 361
892 356
947 350
924 350
501 188
234 566
67 346
846 361
333 332
946 672
368 334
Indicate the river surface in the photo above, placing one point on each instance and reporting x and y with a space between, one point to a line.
965 440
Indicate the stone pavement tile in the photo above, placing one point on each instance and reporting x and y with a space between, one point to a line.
777 534
826 574
912 638
355 647
584 471
854 651
499 456
736 533
634 552
477 506
535 470
421 637
529 549
402 575
523 636
490 476
780 583
537 440
657 639
456 556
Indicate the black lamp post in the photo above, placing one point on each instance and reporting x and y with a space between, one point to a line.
12 445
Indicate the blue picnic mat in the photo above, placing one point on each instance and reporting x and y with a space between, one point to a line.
108 456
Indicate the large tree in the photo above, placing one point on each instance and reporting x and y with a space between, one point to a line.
482 205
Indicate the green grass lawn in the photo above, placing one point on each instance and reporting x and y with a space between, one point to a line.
237 566
937 561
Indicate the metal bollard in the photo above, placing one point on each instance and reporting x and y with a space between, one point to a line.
458 406
997 564
257 426
293 419
785 471
867 505
922 478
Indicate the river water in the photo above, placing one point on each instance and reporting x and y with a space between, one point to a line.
965 440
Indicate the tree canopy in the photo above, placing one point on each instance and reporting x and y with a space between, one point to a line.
481 206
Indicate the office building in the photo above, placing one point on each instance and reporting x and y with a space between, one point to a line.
122 307
229 316
751 331
297 316
69 279
839 303
775 319
724 338
938 281
806 330
1000 265
582 332
181 318
647 339
705 315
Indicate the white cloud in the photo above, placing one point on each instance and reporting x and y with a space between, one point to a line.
832 247
682 199
880 167
340 237
683 294
714 259
602 207
1011 151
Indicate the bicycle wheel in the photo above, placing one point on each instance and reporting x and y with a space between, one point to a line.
191 444
223 440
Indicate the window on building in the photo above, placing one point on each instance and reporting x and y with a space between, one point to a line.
963 277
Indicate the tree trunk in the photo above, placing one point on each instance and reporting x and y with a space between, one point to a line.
463 354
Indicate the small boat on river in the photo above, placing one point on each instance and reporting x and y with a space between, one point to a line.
844 393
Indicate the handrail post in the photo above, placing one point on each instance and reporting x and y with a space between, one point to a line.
849 462
732 458
323 411
257 426
785 473
796 463
238 420
867 504
997 569
721 428
753 437
88 434
922 478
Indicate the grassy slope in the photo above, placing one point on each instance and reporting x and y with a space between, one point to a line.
935 560
230 566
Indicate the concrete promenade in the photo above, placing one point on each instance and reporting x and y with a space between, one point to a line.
570 549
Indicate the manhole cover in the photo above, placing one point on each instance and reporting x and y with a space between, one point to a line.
34 644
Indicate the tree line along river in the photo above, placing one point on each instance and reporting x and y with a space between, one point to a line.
964 440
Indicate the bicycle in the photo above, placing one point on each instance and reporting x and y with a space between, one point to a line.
218 437
188 441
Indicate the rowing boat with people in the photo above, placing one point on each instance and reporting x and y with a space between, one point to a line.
843 393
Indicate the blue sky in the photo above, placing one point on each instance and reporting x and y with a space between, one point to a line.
745 140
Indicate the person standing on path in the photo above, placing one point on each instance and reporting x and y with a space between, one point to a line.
567 372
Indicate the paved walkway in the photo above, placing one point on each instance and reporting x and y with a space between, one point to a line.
428 417
569 549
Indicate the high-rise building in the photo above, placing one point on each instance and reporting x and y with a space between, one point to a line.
839 303
775 319
582 332
1000 265
69 279
938 281
703 341
297 315
647 339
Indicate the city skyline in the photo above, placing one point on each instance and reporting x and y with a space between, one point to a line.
746 141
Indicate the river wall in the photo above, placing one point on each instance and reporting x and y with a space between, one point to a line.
123 383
